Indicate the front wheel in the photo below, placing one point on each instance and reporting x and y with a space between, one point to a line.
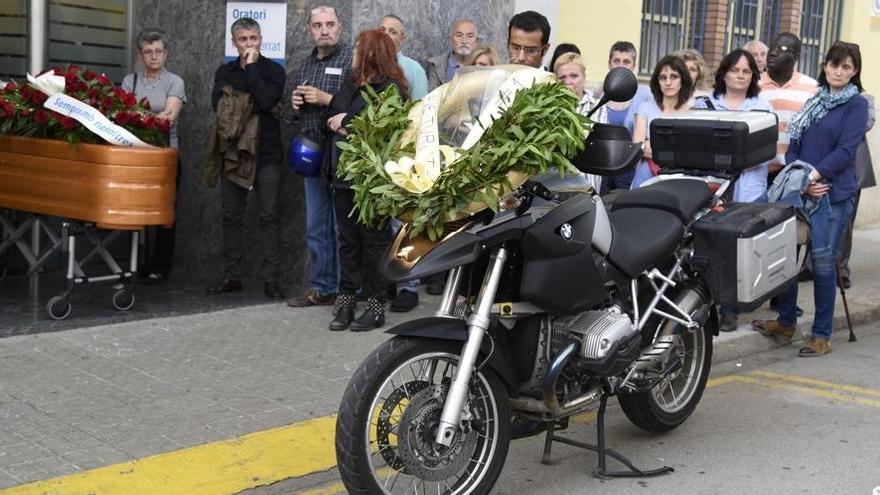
390 413
672 400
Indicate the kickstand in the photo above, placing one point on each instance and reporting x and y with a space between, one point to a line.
602 472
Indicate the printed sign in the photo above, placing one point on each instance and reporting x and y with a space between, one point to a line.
272 17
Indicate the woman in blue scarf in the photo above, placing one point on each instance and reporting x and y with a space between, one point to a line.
825 134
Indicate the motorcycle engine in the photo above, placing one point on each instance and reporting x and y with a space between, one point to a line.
608 341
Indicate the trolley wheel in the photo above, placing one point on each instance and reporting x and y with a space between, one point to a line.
123 299
58 307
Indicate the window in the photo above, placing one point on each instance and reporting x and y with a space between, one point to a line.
753 20
667 26
90 33
13 39
820 27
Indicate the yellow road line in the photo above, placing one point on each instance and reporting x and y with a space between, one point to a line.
818 383
223 467
825 394
305 448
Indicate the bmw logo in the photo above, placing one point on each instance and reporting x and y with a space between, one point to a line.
566 231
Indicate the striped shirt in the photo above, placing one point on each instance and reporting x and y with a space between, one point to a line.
786 100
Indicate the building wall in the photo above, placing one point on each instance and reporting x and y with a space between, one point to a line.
594 25
197 32
862 25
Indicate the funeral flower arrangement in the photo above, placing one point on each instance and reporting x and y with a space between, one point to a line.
460 149
22 112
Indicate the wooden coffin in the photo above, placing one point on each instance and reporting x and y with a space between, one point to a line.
114 187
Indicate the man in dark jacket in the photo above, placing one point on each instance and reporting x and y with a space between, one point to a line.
264 81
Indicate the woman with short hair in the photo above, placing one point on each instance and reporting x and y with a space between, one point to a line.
166 93
483 56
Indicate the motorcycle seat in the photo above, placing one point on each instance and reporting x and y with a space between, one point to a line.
681 197
642 237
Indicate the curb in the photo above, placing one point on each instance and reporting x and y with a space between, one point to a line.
745 342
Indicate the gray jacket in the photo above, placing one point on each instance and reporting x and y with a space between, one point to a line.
864 166
437 70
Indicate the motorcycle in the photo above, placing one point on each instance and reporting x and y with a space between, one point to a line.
552 305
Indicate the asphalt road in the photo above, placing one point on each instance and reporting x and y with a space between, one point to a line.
771 423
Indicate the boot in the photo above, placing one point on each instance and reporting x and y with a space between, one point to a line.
345 304
373 316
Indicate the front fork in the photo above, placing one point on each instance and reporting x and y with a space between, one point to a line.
478 324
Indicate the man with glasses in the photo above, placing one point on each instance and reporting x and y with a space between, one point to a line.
528 38
462 39
785 88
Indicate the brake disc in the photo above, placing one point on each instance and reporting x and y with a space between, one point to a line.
388 423
421 456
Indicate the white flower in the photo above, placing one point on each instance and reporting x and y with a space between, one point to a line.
47 83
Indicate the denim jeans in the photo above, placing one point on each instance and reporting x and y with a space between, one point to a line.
827 222
321 236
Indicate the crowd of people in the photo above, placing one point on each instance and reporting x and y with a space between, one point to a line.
822 126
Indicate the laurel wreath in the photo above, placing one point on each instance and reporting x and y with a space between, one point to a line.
540 129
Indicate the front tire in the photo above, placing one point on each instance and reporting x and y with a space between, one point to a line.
390 410
671 401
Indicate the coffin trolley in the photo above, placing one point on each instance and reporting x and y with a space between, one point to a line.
92 188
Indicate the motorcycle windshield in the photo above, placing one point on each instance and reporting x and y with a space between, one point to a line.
471 93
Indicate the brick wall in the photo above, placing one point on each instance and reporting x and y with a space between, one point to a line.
717 14
790 16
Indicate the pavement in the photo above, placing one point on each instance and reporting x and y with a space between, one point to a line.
228 400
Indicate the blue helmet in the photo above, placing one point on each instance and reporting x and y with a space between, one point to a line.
305 156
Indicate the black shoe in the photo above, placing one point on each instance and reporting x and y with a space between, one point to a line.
728 323
344 317
273 291
155 278
224 286
405 301
435 288
373 316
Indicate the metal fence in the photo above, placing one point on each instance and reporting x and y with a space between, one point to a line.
820 27
670 25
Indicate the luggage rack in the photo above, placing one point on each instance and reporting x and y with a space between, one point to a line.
64 242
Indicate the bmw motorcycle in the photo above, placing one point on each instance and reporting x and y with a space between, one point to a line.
551 306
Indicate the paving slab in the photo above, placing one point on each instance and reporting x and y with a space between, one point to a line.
81 398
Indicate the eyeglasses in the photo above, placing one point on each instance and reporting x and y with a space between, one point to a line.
153 53
531 51
735 71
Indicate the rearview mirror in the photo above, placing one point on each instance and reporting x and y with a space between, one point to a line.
620 85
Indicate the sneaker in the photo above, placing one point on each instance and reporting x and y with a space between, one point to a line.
405 302
772 328
815 348
728 323
311 297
